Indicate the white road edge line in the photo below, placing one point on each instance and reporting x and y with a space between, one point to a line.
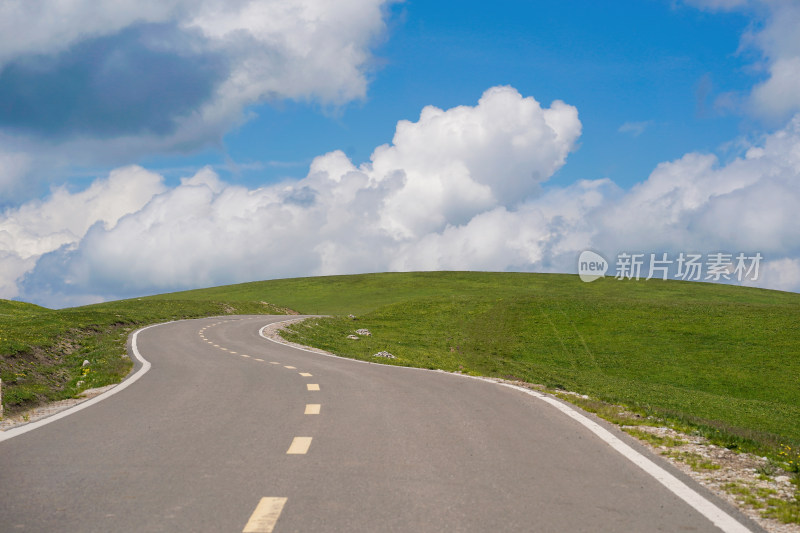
717 516
698 502
19 430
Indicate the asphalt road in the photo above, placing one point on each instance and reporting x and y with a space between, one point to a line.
230 432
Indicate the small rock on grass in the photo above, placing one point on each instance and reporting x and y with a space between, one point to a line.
363 332
387 355
85 363
353 337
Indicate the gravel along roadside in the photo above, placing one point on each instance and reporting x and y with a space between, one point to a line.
43 411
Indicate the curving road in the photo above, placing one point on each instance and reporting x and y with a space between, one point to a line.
230 432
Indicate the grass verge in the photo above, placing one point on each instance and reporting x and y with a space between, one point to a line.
48 355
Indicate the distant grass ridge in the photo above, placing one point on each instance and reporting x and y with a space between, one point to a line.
720 357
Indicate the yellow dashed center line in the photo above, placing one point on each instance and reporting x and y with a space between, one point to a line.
269 510
299 446
265 516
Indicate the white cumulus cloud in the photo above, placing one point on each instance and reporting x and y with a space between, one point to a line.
182 72
462 161
439 172
457 189
780 274
63 219
777 97
51 26
696 203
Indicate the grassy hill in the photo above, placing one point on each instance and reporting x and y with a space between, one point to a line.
722 358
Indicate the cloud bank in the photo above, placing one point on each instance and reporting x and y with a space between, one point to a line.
84 81
462 188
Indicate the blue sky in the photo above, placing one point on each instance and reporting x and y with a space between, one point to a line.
654 64
151 120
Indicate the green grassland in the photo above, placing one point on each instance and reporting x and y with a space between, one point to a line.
717 357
